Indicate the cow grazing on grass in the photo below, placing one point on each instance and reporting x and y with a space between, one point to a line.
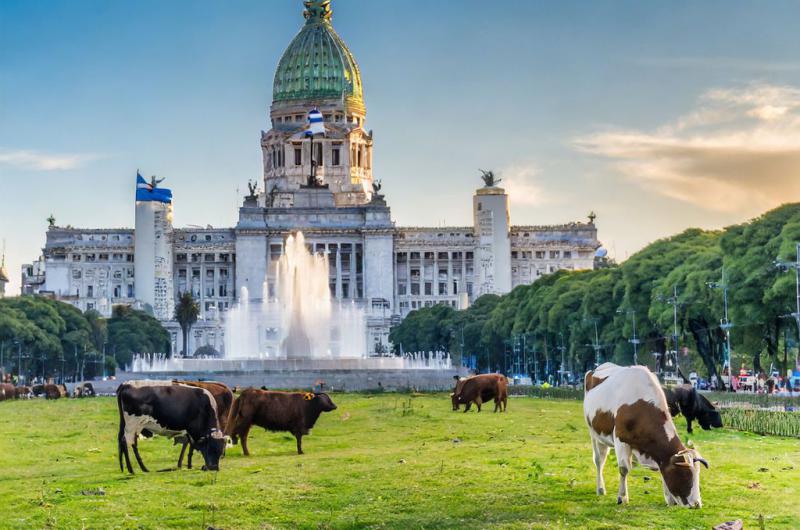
7 391
23 392
685 399
162 407
83 390
52 391
293 412
481 389
625 408
223 398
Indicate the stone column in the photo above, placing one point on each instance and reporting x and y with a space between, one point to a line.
353 278
449 273
338 271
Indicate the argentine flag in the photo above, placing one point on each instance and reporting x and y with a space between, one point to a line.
147 192
315 124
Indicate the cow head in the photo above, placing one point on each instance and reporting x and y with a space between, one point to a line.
454 400
212 447
681 478
321 400
707 415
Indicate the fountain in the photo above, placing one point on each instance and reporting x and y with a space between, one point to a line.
302 334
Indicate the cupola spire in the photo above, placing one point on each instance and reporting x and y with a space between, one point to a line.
317 11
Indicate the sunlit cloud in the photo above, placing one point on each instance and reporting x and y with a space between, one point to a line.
519 181
37 161
739 151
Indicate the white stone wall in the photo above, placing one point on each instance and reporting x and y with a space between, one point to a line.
251 264
493 252
153 257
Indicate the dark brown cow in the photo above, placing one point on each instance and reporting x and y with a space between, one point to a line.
294 412
52 391
7 391
480 389
224 400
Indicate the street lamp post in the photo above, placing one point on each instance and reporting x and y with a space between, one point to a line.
633 340
563 350
673 301
796 266
596 346
725 324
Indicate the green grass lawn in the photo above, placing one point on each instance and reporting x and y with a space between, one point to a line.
384 461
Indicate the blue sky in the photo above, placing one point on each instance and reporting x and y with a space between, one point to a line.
658 116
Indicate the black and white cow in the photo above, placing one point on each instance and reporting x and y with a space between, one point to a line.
625 408
168 409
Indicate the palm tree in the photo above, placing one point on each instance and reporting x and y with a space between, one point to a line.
186 313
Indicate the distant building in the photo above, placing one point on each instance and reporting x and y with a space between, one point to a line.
337 204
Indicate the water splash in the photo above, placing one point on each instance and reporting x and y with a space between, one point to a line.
302 320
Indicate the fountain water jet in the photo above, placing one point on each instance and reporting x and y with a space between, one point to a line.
302 322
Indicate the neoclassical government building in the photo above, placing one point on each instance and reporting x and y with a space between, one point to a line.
322 185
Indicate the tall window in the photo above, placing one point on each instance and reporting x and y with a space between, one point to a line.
335 157
298 156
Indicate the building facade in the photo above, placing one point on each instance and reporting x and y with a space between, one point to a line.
322 185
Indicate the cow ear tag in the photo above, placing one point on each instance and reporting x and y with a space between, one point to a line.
308 396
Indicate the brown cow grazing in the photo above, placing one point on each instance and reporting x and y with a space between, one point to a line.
23 392
53 391
480 389
625 408
7 391
294 412
224 400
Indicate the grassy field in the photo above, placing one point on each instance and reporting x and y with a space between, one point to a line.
384 461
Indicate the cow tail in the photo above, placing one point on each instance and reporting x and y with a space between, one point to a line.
233 420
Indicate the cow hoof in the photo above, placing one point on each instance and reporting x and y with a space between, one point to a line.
601 491
622 500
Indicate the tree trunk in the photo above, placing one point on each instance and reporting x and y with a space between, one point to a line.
705 348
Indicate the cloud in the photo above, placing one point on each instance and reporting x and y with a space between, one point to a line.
519 183
38 161
738 152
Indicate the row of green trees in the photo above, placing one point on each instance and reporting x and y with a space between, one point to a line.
562 309
44 337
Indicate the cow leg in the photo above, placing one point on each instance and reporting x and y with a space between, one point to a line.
189 458
689 425
600 453
478 402
123 452
135 446
497 405
299 437
625 464
180 458
243 436
467 406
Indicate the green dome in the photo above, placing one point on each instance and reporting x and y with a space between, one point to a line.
317 64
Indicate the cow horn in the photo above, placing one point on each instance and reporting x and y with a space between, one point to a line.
701 460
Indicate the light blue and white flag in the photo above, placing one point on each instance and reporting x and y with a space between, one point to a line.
315 123
146 191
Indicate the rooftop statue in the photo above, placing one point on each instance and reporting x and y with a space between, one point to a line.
253 187
154 182
489 179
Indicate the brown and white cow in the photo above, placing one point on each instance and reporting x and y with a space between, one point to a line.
625 408
7 391
480 389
